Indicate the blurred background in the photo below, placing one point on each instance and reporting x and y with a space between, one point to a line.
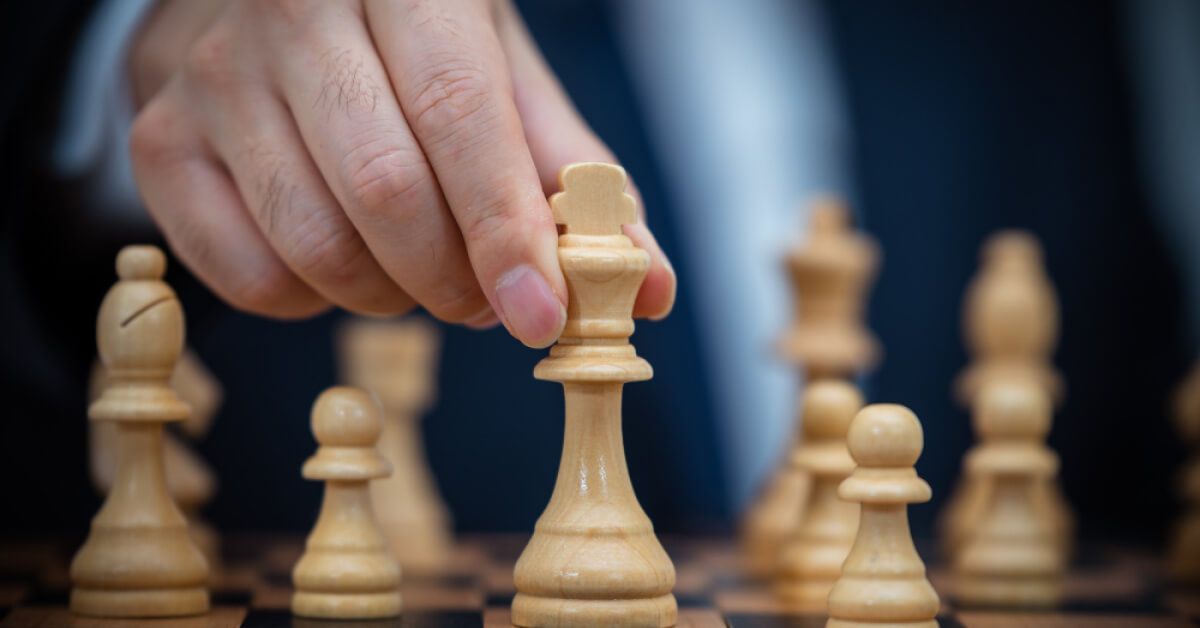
938 122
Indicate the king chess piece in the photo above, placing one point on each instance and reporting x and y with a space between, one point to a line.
831 273
593 559
138 560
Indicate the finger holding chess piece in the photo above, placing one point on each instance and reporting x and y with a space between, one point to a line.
346 571
138 560
883 581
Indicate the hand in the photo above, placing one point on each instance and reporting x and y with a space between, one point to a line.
369 154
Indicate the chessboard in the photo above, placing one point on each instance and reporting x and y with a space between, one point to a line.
1107 587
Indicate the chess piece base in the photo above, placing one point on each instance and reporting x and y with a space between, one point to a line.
139 602
530 611
1009 592
346 605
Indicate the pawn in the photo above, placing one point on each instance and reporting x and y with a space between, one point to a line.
883 579
138 560
812 559
1011 557
346 571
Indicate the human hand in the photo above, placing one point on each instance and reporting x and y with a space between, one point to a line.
371 154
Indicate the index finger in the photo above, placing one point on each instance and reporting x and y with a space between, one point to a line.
450 75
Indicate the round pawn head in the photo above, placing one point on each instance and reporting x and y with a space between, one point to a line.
346 422
885 436
346 417
829 407
1012 410
829 216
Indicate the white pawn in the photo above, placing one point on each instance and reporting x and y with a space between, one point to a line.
883 581
347 571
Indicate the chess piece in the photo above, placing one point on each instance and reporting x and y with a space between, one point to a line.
593 559
1010 318
830 272
346 571
138 560
883 580
1183 554
397 360
190 481
1011 555
812 559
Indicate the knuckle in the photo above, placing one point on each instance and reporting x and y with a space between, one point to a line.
149 137
210 61
449 94
327 253
346 84
379 176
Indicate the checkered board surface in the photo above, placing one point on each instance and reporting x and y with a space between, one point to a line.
1106 588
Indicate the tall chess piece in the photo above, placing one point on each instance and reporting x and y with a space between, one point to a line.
883 581
831 272
593 559
812 558
1183 554
138 560
190 480
1010 318
1011 555
346 571
397 360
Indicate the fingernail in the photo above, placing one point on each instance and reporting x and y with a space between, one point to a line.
528 307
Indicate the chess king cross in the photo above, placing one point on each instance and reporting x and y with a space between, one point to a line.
593 559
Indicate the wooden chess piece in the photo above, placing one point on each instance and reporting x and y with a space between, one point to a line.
346 571
138 560
190 481
883 581
593 559
1011 555
397 360
1010 319
1183 554
811 560
830 272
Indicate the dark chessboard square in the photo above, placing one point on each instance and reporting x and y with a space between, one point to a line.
746 620
499 600
693 601
429 619
232 597
48 597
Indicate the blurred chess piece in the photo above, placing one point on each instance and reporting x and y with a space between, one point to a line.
1183 555
138 559
1010 319
1010 555
831 272
397 360
346 571
190 480
811 559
